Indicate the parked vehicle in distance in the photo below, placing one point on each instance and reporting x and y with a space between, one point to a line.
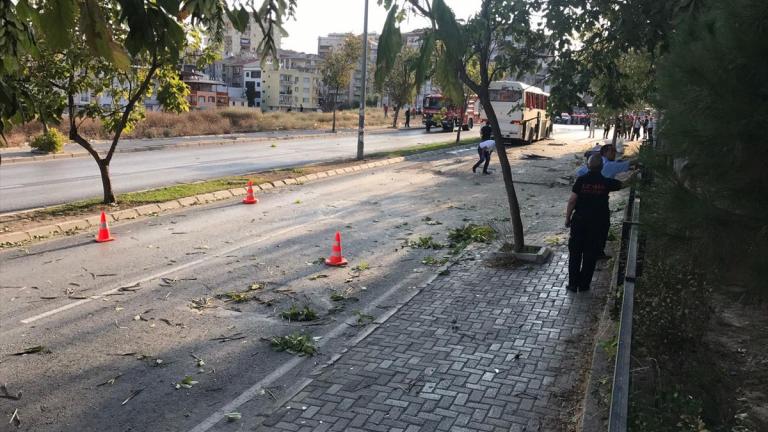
521 110
438 112
565 118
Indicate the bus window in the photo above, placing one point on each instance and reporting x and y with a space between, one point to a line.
504 95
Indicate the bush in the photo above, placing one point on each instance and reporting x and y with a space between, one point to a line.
672 306
49 142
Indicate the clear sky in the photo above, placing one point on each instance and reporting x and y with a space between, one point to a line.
319 17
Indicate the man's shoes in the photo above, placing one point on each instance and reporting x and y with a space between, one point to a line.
474 169
572 288
486 173
584 288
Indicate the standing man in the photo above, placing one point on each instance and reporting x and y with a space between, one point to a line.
386 110
587 215
636 129
407 118
606 129
651 127
591 123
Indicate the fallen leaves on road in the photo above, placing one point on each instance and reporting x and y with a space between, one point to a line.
131 396
33 350
296 343
187 383
233 416
319 276
202 303
532 156
130 288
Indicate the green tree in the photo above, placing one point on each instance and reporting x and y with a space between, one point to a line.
400 84
500 39
337 70
110 46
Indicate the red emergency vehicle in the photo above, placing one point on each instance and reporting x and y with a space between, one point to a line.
439 112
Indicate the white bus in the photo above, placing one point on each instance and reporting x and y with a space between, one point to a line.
521 110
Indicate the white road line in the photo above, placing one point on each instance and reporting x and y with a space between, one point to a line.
255 389
11 186
175 269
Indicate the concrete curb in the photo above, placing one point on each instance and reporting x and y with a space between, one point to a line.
210 143
18 238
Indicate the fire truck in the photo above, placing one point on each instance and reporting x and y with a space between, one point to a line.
439 112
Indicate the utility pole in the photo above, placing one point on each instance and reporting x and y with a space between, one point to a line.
361 122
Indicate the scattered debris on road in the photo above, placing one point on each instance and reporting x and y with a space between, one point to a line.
5 394
15 420
109 381
186 383
33 350
202 303
532 156
131 396
233 416
296 343
232 337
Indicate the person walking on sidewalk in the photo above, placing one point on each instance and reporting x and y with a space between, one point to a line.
587 215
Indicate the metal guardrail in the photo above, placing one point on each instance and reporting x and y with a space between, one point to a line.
617 421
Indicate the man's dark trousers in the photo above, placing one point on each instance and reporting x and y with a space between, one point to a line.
584 248
484 155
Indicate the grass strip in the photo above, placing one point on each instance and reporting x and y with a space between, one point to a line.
183 190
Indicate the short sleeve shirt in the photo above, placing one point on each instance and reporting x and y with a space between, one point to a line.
592 190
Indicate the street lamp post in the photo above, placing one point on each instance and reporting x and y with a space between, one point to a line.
361 121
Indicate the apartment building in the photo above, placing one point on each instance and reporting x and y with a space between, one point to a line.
290 89
243 43
326 44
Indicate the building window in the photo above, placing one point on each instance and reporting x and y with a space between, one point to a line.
306 90
211 99
85 97
247 74
258 83
306 79
256 74
305 100
201 100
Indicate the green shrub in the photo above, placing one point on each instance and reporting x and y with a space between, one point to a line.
672 306
49 142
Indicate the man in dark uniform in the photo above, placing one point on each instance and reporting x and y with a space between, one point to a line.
486 131
407 118
587 215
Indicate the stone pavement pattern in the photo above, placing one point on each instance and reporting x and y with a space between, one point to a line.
480 349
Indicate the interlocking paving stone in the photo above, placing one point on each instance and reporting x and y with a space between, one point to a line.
480 349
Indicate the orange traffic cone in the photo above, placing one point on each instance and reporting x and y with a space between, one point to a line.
249 198
336 259
103 235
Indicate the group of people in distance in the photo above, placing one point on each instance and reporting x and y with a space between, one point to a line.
587 213
631 127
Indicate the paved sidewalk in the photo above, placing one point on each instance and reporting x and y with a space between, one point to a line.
480 349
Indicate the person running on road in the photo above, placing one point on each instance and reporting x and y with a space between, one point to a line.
586 215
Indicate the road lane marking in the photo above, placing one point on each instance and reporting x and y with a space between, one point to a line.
255 389
11 186
177 268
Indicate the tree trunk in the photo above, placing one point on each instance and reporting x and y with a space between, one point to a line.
106 182
461 120
333 128
394 117
506 172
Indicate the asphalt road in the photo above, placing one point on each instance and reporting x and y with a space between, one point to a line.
37 184
116 323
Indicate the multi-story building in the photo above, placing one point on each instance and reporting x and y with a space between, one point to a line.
243 43
326 44
205 93
290 89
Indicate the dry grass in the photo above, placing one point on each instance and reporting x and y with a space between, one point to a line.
210 122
